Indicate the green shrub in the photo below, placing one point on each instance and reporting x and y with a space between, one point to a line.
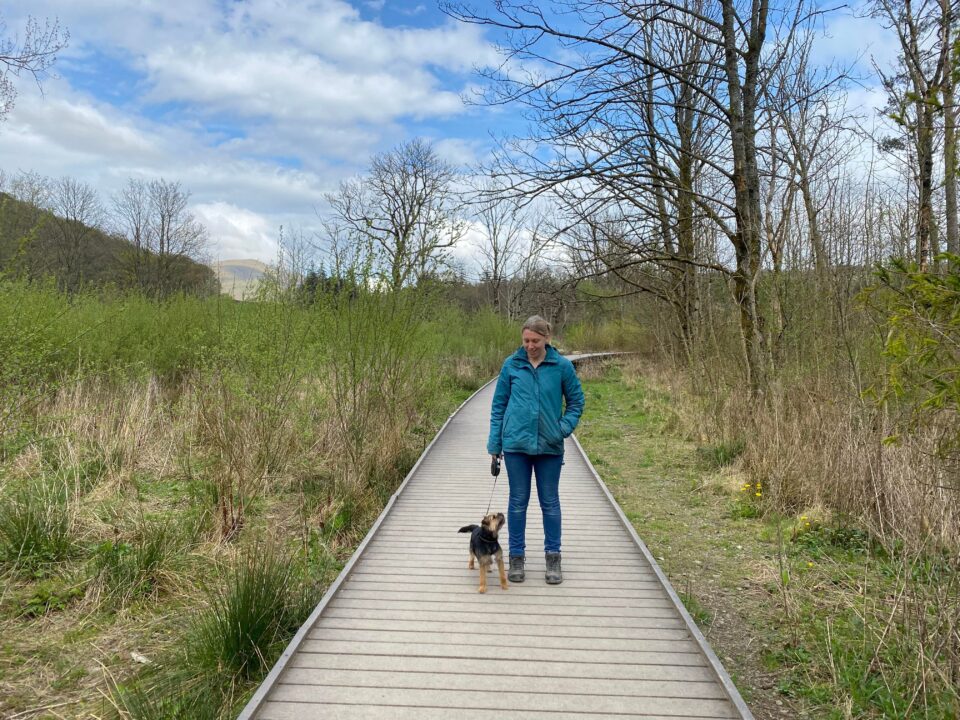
922 333
264 598
721 454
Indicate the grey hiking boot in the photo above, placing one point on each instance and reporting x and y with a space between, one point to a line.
517 573
554 575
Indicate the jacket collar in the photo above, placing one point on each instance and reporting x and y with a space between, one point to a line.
551 358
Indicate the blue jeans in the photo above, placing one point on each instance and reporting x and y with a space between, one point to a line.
519 469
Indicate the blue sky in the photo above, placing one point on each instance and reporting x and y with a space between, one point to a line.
259 107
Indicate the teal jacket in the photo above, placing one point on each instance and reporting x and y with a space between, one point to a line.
527 415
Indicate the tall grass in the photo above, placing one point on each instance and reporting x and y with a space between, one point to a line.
142 567
252 387
262 601
866 535
818 443
607 335
36 526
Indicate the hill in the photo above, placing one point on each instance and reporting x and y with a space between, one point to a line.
36 244
239 278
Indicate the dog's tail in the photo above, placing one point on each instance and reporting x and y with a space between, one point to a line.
468 528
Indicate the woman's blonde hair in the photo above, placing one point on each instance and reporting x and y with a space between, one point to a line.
538 325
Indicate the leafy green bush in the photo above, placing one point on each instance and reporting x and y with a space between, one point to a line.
922 349
51 596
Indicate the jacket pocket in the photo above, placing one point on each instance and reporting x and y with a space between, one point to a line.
511 428
551 433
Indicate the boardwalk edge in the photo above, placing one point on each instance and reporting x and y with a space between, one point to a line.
255 702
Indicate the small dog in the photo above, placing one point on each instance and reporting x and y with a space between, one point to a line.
484 547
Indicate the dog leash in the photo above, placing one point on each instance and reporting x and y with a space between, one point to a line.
495 471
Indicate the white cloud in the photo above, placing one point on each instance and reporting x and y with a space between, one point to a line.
104 149
852 38
460 152
231 228
285 85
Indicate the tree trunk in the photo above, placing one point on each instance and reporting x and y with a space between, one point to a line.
925 181
949 132
747 237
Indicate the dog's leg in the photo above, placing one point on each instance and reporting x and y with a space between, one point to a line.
470 564
503 574
484 567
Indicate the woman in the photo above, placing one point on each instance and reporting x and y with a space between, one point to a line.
527 425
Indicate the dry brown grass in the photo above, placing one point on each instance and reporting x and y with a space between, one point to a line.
820 448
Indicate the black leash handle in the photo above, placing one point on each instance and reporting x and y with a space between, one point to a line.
495 471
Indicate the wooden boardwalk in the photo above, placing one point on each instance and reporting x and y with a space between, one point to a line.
403 633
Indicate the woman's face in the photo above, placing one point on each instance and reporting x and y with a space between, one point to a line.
535 344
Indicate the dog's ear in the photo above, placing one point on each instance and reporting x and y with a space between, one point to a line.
500 520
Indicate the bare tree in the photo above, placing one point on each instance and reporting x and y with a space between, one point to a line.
154 217
512 243
175 233
131 220
915 101
32 54
77 215
946 21
402 213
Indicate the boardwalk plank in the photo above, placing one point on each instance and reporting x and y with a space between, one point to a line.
473 700
486 634
559 632
506 622
706 690
685 652
427 588
505 667
333 711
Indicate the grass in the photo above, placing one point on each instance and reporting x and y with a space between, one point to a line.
138 571
36 526
125 571
810 615
262 602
